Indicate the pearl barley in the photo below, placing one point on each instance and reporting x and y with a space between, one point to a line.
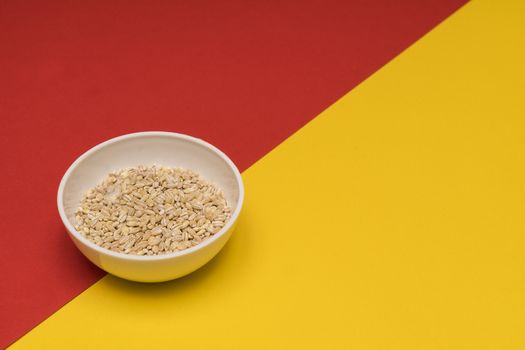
151 210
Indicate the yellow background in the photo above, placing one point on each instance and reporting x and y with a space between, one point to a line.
394 220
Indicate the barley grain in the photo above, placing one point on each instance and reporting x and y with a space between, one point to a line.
151 210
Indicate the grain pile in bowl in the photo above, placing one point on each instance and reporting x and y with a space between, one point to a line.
151 210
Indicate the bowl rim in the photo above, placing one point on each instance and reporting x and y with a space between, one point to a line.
105 251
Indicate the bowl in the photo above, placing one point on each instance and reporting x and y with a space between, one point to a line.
150 148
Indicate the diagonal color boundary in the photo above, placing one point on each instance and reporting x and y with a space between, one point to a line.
242 75
394 220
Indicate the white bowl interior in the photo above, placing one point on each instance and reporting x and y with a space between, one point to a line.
163 149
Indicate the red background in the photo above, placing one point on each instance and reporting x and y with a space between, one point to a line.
242 75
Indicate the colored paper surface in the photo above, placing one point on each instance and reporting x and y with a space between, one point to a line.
393 220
